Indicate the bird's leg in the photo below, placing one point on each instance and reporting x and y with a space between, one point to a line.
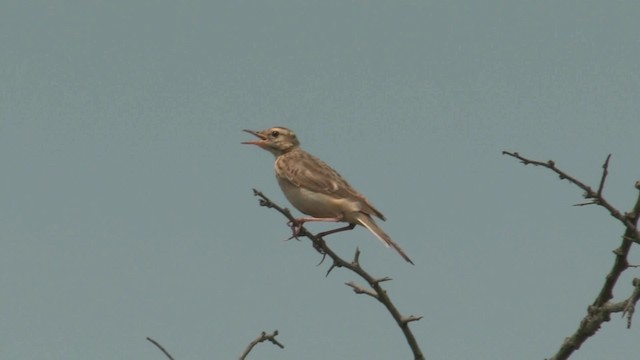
296 225
321 235
344 228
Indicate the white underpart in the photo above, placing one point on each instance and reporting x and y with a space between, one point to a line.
320 205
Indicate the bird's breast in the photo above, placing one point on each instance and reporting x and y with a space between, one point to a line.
317 204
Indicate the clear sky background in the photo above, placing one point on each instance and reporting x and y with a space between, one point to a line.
126 208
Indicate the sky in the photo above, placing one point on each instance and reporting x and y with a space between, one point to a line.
126 208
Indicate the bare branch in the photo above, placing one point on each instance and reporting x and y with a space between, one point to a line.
160 347
601 309
605 172
262 338
411 318
630 306
380 294
362 290
589 193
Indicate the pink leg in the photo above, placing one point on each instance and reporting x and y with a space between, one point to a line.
310 219
296 225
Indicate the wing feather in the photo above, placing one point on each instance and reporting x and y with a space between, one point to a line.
305 170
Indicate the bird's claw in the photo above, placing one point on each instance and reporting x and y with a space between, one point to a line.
296 227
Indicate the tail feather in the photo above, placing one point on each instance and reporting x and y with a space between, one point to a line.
366 221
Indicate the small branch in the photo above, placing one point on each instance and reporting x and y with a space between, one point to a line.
362 290
589 193
376 290
605 172
411 318
262 338
630 303
160 347
601 309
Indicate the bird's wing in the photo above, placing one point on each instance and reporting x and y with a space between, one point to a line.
305 170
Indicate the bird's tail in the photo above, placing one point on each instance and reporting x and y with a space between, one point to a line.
366 221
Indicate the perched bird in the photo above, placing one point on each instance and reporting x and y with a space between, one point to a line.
316 189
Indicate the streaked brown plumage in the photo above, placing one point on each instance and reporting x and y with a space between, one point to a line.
316 189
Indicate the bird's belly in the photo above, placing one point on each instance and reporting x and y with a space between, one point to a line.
317 204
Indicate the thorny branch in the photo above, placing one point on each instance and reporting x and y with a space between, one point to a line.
602 308
597 198
376 291
262 338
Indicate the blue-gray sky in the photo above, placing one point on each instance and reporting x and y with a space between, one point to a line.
125 196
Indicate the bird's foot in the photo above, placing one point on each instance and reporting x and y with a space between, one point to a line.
296 227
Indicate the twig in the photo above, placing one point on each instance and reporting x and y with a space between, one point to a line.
605 172
161 348
380 294
262 338
411 318
601 309
362 290
630 306
589 193
356 257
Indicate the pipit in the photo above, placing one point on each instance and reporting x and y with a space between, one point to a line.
316 189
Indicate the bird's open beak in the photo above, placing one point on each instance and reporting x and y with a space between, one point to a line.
257 134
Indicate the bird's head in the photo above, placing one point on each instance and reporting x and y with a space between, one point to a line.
277 140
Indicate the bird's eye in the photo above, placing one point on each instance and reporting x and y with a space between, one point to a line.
275 134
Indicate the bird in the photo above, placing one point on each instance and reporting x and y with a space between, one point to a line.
316 189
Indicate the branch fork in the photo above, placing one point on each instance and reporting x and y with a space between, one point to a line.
262 338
